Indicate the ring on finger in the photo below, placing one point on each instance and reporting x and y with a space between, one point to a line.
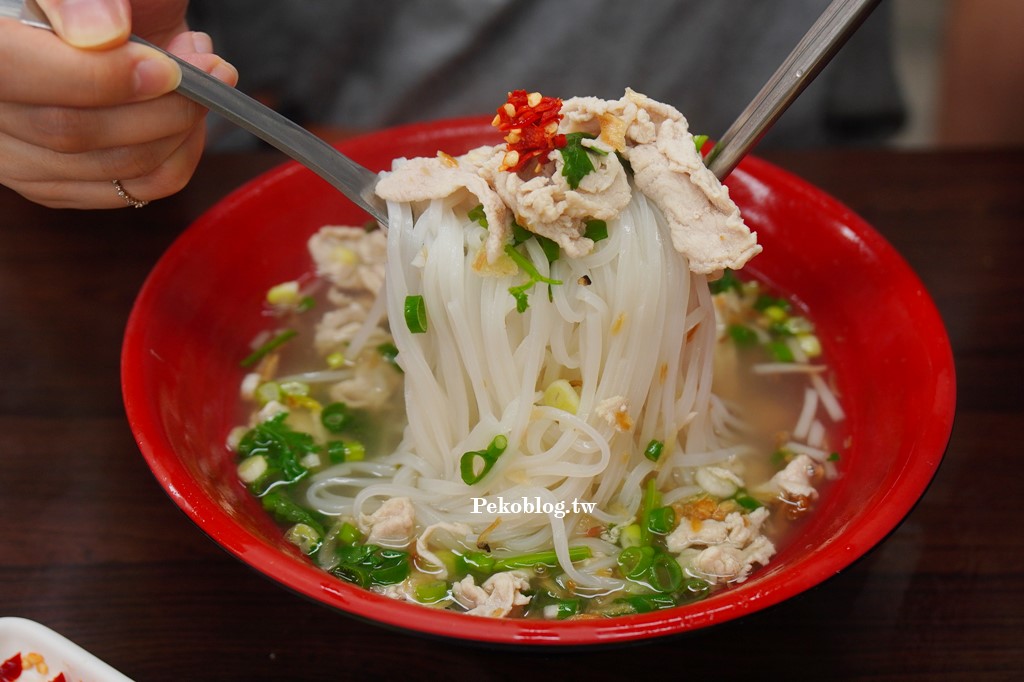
128 198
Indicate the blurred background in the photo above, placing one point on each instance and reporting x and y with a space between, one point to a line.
918 73
918 38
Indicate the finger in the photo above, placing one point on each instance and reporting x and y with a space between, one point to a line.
89 24
167 179
22 162
79 129
37 67
74 130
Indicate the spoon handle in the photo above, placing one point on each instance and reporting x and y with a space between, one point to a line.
347 176
832 29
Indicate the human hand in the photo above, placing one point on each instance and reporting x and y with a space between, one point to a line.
82 106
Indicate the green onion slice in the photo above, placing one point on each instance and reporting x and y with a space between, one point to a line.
475 464
653 450
271 345
416 314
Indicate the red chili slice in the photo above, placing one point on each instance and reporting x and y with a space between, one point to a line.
10 670
531 123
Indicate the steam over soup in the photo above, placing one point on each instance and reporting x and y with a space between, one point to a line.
542 392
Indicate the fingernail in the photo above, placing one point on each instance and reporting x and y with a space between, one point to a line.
155 75
225 72
92 23
202 42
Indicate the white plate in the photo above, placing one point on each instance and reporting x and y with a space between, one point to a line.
19 635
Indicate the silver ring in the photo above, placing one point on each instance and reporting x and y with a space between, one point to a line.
128 198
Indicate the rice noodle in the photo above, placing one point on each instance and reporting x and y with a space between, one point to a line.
616 333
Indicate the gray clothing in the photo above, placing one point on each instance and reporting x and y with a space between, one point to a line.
365 65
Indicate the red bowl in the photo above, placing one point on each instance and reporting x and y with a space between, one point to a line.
200 306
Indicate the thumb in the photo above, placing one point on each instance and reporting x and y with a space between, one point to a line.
89 24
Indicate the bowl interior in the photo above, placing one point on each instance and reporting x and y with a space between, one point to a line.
199 307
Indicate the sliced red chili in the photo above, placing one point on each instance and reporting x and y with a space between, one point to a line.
10 670
530 122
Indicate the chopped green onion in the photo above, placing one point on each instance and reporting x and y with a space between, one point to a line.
764 301
348 534
776 314
692 589
651 500
630 536
270 346
661 520
480 563
431 592
389 352
305 537
472 472
634 561
448 559
798 325
834 457
392 568
287 511
336 417
354 451
653 450
699 141
336 451
368 565
781 457
742 335
547 558
744 499
416 314
268 391
295 388
305 303
252 468
665 575
809 344
339 451
335 360
645 603
567 608
780 351
727 281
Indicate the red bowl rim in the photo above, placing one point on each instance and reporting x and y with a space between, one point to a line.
309 581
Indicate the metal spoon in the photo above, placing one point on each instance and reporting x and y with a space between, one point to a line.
835 25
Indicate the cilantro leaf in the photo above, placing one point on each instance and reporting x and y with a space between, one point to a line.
282 447
596 230
477 214
576 160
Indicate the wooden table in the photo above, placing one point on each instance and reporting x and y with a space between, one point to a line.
91 546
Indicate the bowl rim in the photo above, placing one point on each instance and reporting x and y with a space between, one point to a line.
302 577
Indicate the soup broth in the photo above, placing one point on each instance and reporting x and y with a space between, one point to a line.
765 355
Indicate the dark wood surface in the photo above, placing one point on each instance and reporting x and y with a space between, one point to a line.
91 546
